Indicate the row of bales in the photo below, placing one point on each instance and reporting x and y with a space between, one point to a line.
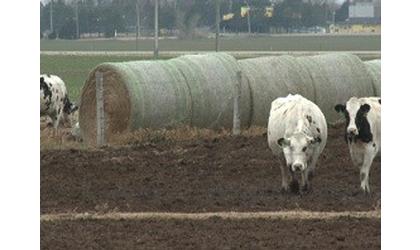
198 90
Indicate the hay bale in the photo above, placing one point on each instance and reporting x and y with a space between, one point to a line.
198 90
336 78
271 77
212 79
193 90
374 69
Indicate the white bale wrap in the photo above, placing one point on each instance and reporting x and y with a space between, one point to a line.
198 90
336 78
374 69
195 90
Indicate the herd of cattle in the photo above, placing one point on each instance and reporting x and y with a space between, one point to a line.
297 130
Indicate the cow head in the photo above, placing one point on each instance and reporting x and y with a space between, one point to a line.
297 148
357 125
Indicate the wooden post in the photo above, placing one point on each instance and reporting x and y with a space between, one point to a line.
77 21
249 19
100 114
236 130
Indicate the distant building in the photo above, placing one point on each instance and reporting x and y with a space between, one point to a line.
364 17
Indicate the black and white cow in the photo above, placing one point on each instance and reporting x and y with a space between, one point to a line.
296 129
54 100
363 133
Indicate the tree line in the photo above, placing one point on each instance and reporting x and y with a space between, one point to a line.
183 16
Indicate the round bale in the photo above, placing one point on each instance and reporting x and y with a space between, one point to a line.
194 90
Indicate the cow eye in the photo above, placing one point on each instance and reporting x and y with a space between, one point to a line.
304 149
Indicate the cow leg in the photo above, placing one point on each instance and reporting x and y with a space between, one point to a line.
305 182
311 165
284 177
365 169
57 122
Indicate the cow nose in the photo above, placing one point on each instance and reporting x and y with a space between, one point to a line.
352 131
297 167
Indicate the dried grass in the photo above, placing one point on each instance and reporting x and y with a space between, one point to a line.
64 139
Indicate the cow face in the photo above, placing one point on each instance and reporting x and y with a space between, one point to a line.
297 150
357 125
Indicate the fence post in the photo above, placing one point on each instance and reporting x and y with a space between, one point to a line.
100 114
236 130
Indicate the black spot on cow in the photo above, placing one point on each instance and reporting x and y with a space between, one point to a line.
309 118
374 145
379 101
69 107
318 130
45 89
340 108
362 124
280 141
317 140
59 110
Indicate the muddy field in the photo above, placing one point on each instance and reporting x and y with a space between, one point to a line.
214 233
206 175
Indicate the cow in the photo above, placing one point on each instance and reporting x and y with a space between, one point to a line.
55 102
362 133
297 134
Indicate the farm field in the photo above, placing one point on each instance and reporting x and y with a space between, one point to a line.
214 233
193 188
208 175
238 43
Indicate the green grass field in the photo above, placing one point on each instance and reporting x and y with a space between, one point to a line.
75 69
280 43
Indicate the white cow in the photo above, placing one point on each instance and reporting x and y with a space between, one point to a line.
54 100
296 128
363 133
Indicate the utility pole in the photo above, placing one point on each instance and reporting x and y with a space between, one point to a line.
137 24
249 18
217 24
156 47
51 17
77 20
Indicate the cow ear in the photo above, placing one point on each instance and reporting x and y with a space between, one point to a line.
339 108
365 108
283 142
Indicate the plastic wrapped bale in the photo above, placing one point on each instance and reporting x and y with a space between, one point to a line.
374 69
272 77
193 90
212 80
336 78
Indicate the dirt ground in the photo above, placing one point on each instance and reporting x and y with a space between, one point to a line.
215 233
207 175
226 174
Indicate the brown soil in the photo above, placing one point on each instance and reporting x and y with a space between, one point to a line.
223 174
214 233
